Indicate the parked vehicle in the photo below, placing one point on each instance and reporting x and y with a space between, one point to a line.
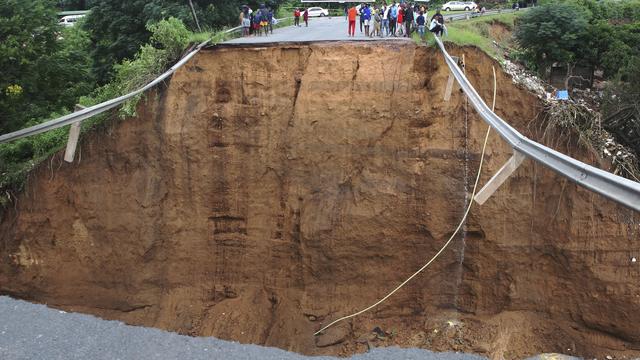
318 11
70 20
459 5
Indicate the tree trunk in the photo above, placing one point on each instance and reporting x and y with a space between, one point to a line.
195 17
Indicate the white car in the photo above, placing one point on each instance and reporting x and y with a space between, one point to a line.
70 20
459 5
318 11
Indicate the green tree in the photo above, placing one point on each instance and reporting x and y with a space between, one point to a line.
75 4
27 36
551 33
118 27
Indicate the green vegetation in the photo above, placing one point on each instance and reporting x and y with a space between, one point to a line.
600 35
551 33
118 28
478 32
169 38
44 68
47 69
603 35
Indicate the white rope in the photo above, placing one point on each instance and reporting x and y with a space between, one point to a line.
444 247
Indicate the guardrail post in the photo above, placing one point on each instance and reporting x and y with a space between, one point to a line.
500 177
72 142
449 88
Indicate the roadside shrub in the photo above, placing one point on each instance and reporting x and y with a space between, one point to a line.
169 39
551 33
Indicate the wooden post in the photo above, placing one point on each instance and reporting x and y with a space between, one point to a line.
449 89
72 142
500 177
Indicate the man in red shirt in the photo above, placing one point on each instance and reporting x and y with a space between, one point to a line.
352 20
296 17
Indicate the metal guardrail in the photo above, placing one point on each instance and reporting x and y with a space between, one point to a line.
96 109
471 15
617 188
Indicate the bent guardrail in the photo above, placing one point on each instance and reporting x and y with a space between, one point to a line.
616 188
471 15
107 105
96 109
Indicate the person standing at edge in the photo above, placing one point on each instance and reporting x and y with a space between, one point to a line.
270 17
361 11
385 20
400 24
351 15
305 17
264 23
377 25
408 20
420 21
257 20
296 17
393 16
367 19
245 22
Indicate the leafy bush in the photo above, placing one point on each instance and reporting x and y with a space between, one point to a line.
118 27
551 33
169 37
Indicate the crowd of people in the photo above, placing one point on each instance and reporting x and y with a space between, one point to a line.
258 23
261 21
394 20
397 19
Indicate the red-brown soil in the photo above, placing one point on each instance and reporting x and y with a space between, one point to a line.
267 191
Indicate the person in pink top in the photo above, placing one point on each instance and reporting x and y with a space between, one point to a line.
400 20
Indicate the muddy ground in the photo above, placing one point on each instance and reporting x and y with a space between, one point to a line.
266 191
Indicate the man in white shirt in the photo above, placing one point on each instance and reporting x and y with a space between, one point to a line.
385 20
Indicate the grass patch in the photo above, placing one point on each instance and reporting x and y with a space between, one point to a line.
478 32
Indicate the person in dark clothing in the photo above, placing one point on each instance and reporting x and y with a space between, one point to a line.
437 24
361 13
420 21
408 20
393 18
270 19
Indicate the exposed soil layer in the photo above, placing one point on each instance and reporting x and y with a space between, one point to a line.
267 191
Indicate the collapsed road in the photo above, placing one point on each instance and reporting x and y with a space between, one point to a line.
267 189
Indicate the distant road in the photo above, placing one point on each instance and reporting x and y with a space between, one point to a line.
320 29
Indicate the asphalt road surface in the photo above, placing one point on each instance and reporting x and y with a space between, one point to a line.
320 29
32 331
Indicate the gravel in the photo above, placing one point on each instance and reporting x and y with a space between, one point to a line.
33 331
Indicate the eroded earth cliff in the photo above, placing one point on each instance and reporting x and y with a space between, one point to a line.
266 191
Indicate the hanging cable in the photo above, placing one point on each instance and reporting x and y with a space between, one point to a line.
444 247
